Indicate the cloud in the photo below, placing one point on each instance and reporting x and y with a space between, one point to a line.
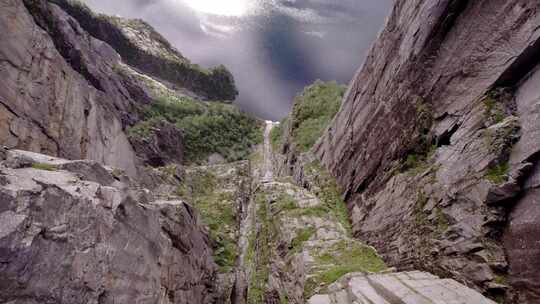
274 50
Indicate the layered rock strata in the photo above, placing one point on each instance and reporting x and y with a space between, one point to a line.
436 143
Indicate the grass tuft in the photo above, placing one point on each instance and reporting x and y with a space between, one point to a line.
343 258
43 166
314 110
498 174
329 194
218 213
303 236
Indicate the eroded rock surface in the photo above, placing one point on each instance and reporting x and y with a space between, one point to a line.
436 141
71 232
221 193
406 287
59 95
316 260
522 239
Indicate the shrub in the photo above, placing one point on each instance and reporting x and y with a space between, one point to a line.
208 127
313 111
498 174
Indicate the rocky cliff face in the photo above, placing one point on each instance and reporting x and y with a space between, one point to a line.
78 232
66 91
437 144
59 94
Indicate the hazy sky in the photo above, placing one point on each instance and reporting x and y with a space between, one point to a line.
273 47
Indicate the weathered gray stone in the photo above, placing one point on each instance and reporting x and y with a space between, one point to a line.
60 100
3 153
407 288
433 89
68 239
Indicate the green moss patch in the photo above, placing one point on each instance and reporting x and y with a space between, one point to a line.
329 194
342 258
259 251
43 166
218 213
297 244
420 216
494 110
285 203
498 174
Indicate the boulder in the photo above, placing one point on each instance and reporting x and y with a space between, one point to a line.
69 235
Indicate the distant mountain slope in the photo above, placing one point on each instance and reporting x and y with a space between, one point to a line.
146 50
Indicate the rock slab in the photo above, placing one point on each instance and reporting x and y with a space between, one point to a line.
413 287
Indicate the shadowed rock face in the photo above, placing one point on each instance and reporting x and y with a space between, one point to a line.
71 232
522 238
436 139
64 92
60 96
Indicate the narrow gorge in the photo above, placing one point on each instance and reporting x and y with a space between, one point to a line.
128 174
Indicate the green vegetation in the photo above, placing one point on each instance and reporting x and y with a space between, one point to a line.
314 110
501 279
302 236
494 110
285 202
283 298
145 129
417 160
117 173
208 128
277 134
217 211
329 194
259 252
500 138
168 173
416 163
342 258
498 174
442 221
43 166
420 216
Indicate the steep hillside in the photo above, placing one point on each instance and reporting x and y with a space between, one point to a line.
420 183
102 210
68 93
145 49
436 144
